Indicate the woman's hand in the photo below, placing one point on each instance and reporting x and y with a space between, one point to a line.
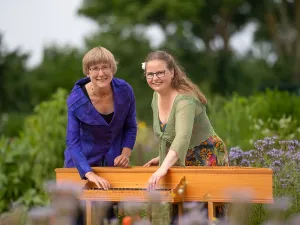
170 160
152 162
121 161
99 181
155 178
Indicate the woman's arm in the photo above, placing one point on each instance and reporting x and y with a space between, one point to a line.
185 115
184 125
170 160
79 159
74 146
130 126
129 134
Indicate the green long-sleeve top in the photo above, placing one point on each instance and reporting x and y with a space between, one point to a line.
187 126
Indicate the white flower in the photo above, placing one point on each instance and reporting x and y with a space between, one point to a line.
143 66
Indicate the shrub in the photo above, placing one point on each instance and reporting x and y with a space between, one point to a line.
284 158
30 159
11 123
239 120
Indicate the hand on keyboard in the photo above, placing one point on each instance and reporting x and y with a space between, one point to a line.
152 162
153 182
99 181
122 161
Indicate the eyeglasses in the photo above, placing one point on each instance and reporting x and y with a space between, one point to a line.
103 68
159 74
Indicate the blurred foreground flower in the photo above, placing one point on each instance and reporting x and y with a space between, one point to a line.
42 216
16 216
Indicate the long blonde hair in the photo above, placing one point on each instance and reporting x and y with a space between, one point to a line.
180 81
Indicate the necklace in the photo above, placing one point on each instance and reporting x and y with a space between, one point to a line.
100 96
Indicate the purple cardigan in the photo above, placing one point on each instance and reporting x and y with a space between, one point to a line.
90 140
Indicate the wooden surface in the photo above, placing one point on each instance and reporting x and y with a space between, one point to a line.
204 184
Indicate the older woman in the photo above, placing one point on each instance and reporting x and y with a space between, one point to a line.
102 127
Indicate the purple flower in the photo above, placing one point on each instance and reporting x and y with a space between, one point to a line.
275 153
247 154
245 162
252 153
290 155
290 145
294 220
236 154
297 156
276 165
291 148
280 204
284 182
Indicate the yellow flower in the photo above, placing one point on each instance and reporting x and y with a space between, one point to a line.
215 221
142 125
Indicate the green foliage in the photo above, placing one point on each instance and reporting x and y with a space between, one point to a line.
240 120
60 68
229 119
13 76
146 146
23 88
275 104
283 158
189 31
11 123
29 160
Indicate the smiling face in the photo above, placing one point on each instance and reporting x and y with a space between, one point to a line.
101 74
100 65
158 76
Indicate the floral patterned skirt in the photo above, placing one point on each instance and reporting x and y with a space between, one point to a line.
211 152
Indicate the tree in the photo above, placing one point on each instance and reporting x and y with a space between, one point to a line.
279 23
60 68
201 19
13 75
197 33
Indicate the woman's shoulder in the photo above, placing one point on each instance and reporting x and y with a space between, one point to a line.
188 97
183 99
123 90
153 101
77 97
120 83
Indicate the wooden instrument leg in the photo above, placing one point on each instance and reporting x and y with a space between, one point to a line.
88 216
180 213
121 210
211 211
149 210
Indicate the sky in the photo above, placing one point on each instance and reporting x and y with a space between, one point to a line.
30 25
